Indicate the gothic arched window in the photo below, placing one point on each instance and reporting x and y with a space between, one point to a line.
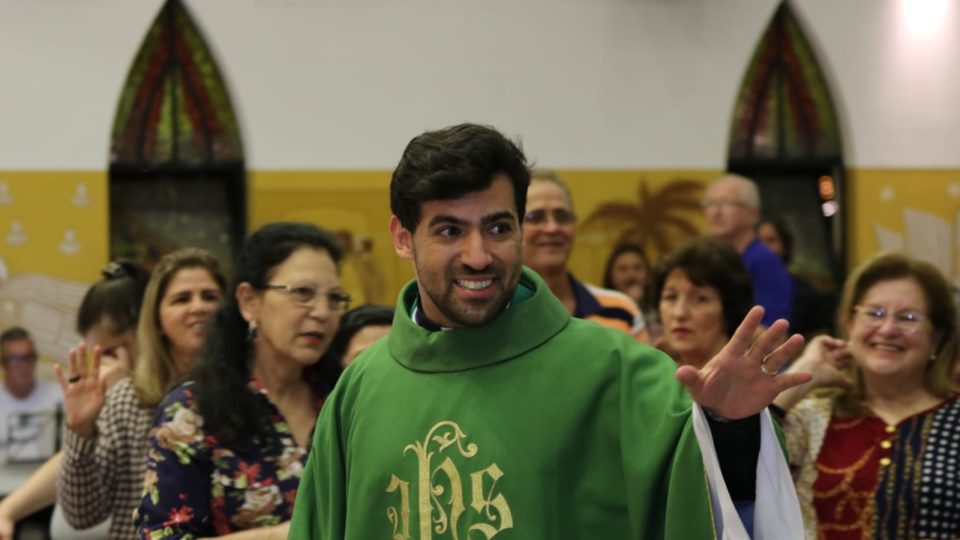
786 135
176 158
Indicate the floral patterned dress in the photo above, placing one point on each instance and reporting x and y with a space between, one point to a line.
195 486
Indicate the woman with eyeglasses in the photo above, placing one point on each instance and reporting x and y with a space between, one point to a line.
101 474
875 435
230 444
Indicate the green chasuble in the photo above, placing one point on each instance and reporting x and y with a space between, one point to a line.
534 426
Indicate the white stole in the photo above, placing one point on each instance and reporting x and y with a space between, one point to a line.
776 509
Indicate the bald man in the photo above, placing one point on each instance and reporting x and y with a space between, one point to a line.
732 208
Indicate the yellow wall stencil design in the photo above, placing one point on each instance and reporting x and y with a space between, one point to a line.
53 242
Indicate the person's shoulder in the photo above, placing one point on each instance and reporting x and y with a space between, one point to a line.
375 359
181 395
122 391
45 393
818 404
611 352
610 298
759 251
951 406
604 341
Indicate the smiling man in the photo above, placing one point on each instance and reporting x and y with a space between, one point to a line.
549 232
489 412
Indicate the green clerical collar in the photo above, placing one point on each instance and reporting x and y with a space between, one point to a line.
533 317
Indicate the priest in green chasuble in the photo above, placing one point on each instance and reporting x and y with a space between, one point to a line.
489 413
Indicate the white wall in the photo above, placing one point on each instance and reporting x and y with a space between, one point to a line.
327 84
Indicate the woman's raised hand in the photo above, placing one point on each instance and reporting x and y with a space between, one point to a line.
84 391
824 357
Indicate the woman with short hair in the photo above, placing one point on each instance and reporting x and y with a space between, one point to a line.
702 291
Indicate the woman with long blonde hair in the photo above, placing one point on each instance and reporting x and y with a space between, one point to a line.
106 437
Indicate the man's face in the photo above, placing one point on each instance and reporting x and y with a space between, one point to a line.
728 216
549 228
466 253
20 364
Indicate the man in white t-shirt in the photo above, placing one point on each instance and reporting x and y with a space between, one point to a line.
28 406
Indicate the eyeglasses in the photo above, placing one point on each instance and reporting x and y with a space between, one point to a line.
722 204
907 321
28 358
307 296
561 216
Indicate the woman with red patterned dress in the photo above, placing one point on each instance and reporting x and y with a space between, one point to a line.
874 438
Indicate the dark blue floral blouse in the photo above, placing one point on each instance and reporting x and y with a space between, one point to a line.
195 487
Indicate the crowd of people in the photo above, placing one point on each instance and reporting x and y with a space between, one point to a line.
501 395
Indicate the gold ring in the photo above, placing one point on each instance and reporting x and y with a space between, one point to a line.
763 368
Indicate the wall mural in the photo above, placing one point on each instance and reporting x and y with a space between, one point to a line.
659 220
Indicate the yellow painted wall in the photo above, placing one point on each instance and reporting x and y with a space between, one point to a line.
359 201
591 188
914 204
44 205
879 199
916 211
47 274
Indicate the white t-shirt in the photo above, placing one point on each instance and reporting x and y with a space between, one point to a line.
28 427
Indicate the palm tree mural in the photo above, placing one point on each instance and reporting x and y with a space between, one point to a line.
658 221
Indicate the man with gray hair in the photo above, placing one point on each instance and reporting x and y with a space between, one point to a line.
732 208
549 232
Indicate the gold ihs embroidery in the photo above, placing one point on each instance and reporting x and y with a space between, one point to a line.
483 503
440 493
404 518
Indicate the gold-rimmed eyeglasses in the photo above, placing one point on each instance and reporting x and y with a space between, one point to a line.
307 296
905 320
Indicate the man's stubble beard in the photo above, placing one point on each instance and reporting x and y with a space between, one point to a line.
447 305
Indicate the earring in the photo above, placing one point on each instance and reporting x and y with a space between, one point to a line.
251 332
933 357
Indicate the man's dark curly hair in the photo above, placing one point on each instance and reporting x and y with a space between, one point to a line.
452 162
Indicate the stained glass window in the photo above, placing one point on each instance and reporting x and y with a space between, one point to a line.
177 177
784 111
175 108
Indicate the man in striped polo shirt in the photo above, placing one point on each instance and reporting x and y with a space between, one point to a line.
549 230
